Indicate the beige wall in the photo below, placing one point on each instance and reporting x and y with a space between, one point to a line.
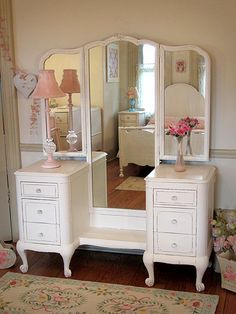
42 25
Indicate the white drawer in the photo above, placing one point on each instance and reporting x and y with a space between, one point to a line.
39 189
128 118
61 117
175 197
167 220
171 243
129 124
40 211
63 128
42 233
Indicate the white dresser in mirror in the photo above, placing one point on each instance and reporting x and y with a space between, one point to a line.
60 115
131 118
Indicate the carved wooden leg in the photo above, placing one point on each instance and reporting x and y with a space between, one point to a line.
149 264
66 255
121 172
201 266
21 251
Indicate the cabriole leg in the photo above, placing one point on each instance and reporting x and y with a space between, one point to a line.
66 255
149 264
21 251
121 172
201 266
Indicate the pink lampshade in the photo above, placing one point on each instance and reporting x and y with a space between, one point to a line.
133 92
70 83
47 86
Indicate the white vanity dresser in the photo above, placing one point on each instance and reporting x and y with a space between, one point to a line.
52 209
63 208
179 206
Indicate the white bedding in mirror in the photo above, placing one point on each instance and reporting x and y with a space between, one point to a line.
136 146
181 101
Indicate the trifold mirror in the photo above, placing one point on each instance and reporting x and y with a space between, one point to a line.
130 91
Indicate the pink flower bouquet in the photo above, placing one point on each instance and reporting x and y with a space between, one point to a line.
180 129
191 122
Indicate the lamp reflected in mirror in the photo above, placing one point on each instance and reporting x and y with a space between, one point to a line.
46 88
133 96
70 84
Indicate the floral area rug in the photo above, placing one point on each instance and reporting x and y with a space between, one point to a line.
132 184
21 293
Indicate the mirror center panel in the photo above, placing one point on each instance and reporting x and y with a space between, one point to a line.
122 86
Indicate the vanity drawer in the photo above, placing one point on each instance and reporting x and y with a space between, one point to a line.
171 243
29 189
40 211
174 197
42 233
167 220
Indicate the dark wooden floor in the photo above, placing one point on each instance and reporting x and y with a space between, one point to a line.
127 269
121 198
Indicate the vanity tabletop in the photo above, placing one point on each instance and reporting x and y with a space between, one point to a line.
193 173
67 168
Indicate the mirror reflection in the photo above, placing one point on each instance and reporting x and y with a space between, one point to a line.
185 97
119 88
65 112
122 94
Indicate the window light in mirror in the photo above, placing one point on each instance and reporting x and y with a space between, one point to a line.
146 78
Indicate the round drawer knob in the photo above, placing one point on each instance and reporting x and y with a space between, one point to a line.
174 245
40 234
39 211
38 190
174 221
174 198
